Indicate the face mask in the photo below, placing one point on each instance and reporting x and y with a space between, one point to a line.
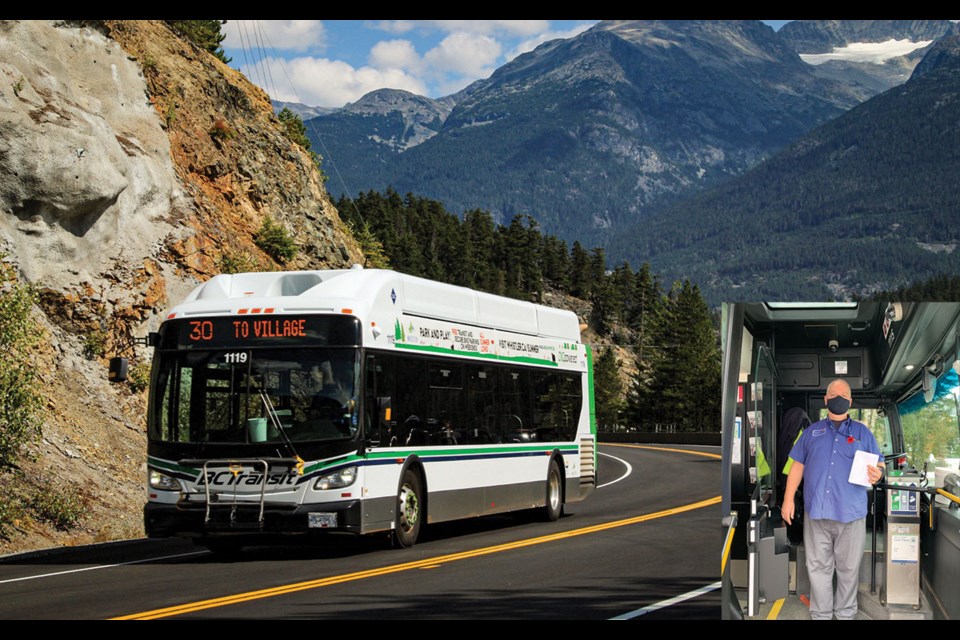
838 405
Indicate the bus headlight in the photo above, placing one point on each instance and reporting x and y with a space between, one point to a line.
337 480
163 482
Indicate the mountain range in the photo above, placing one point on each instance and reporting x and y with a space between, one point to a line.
593 132
864 202
603 137
598 130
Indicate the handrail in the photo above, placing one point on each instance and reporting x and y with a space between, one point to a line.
731 606
728 542
948 495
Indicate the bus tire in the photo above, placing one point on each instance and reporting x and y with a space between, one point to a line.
409 509
554 493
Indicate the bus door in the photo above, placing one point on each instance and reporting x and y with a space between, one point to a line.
931 439
759 551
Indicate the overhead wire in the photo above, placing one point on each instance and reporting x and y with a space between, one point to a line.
261 36
243 46
249 44
313 128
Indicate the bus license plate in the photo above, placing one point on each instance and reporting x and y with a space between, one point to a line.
322 520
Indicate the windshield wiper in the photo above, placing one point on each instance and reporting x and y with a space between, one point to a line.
275 421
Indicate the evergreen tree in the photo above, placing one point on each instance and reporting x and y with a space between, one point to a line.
684 389
480 268
206 34
579 271
556 262
608 389
294 128
371 247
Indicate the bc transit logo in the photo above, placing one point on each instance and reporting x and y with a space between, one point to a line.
227 478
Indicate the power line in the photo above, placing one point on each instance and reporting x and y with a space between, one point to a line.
243 47
260 35
316 134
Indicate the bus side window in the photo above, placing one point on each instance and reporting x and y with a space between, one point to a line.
447 415
480 419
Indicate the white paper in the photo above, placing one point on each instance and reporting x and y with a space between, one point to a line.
858 472
903 548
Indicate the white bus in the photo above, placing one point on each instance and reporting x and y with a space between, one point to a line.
361 400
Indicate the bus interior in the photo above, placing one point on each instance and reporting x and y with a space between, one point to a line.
901 362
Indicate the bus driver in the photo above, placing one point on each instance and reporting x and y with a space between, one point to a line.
834 528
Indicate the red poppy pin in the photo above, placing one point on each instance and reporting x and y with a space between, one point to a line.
849 439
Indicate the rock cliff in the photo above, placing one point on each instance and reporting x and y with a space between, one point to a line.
133 165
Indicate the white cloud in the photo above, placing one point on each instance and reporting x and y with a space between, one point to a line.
468 54
280 35
391 26
321 82
533 43
394 54
512 28
488 27
875 52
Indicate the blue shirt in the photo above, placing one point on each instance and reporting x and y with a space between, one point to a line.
826 454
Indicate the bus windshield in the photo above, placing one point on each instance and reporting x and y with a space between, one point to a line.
930 429
255 396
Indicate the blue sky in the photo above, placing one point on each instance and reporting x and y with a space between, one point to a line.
331 62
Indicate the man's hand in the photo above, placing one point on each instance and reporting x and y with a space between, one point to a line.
874 474
787 510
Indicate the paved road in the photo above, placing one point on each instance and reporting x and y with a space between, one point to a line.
645 545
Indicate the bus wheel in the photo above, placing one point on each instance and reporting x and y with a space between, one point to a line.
554 505
409 509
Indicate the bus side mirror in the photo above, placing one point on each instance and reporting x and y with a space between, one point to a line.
118 370
151 340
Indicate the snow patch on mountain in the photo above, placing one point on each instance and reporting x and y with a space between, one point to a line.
872 52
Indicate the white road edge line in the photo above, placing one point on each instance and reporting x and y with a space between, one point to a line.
101 566
667 603
626 464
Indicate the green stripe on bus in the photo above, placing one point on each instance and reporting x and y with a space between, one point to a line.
488 356
450 451
593 408
393 453
317 466
172 466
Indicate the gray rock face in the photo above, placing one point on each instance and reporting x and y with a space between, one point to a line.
822 36
418 118
944 54
85 168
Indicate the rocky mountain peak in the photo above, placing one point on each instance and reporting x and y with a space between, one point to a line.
943 55
822 36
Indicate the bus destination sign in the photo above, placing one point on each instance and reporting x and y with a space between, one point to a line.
252 331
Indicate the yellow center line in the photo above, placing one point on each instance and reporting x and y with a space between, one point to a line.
419 564
775 610
642 446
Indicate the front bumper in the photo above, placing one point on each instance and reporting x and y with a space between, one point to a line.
168 520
